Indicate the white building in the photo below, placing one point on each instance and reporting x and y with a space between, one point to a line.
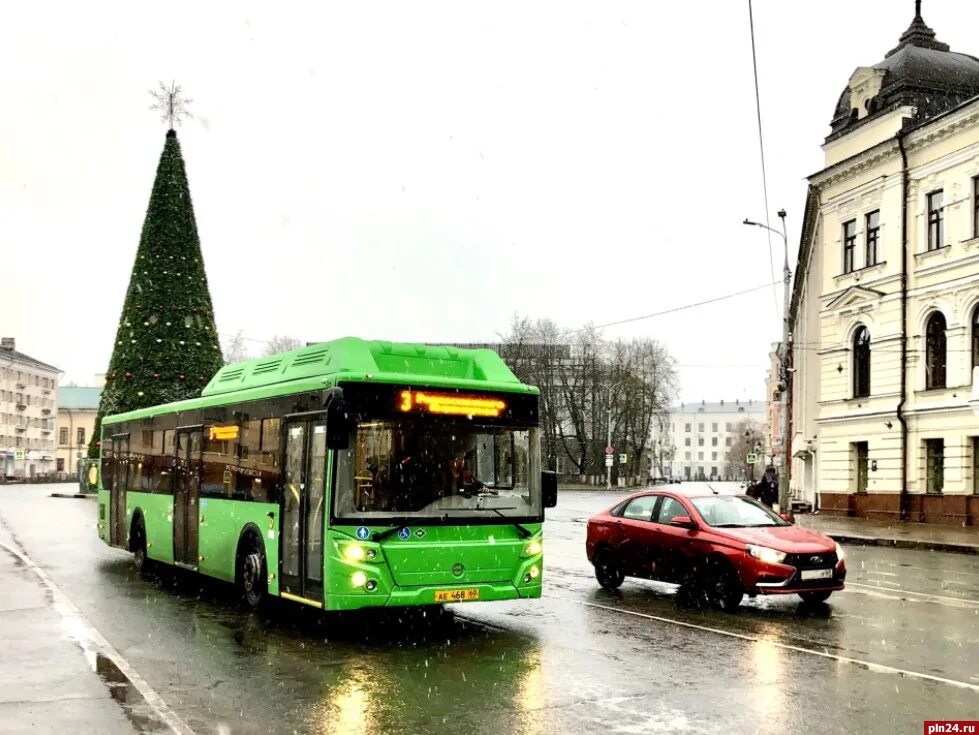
700 435
885 308
28 409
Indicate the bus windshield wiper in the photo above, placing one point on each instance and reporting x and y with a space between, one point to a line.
398 525
522 530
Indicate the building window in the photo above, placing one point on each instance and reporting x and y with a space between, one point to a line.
861 363
713 427
935 351
687 428
713 456
936 220
700 441
686 456
975 465
934 465
700 456
63 436
872 227
713 441
81 435
727 442
849 245
975 206
861 450
975 337
700 427
686 442
729 427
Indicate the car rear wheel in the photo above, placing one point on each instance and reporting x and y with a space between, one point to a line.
608 571
723 587
815 597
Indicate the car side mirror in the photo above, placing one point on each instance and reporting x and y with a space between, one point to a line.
786 517
683 522
548 484
338 422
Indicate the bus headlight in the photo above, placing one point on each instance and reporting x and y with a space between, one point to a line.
534 572
353 552
533 548
358 579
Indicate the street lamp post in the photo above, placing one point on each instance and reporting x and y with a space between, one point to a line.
784 356
608 439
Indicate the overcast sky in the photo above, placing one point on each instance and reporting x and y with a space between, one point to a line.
423 171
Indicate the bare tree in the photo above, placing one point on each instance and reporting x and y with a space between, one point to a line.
281 343
747 438
235 349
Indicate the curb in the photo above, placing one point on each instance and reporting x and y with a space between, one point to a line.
901 543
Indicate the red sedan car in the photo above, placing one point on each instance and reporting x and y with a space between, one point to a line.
721 546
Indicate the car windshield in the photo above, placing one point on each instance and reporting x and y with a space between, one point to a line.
402 468
731 511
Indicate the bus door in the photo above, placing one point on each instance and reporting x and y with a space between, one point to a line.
186 491
303 506
117 495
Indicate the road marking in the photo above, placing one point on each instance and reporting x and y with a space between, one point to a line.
878 588
869 665
92 642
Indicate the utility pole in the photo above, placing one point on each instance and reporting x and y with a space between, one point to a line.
784 504
784 356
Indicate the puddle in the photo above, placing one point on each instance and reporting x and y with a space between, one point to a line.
134 706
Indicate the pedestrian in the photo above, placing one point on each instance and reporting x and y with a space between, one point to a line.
768 491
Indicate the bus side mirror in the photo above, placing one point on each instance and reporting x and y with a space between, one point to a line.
548 484
337 421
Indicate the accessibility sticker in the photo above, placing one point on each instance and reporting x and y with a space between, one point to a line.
363 533
404 534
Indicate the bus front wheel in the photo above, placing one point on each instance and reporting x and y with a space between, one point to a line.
253 573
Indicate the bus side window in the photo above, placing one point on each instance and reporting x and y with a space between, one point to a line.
108 462
219 466
136 458
149 461
249 484
268 461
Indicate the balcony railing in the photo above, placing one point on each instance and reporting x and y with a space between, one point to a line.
21 406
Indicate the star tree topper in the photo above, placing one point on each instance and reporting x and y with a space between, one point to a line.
171 103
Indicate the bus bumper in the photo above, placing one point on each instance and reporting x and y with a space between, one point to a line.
417 596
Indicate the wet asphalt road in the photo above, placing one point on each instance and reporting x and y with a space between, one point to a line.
899 646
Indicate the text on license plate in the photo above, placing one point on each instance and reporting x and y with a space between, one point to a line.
817 573
456 595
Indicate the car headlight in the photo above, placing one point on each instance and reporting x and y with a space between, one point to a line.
763 553
533 548
840 554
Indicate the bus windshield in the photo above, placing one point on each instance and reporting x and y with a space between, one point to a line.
446 471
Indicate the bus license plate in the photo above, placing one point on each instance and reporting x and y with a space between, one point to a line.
817 573
456 595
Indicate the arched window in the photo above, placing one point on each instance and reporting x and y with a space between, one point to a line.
975 334
861 363
935 351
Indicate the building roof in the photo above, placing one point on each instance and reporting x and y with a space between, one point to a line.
735 406
921 72
81 398
22 359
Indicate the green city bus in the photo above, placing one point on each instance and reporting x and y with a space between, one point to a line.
343 475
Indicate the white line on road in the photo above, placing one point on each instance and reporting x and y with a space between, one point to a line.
900 591
870 666
85 634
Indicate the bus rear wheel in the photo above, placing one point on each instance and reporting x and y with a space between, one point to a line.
137 544
253 574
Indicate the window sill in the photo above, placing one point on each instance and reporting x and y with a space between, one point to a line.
972 242
948 389
944 250
860 272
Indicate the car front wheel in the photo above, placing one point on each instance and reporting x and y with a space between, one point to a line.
723 586
608 571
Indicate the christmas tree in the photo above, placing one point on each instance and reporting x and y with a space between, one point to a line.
166 346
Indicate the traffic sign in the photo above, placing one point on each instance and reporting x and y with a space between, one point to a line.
609 460
752 458
623 458
610 450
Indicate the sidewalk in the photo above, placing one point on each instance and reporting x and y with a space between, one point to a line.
46 683
893 533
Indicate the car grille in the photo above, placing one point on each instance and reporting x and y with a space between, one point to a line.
811 561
